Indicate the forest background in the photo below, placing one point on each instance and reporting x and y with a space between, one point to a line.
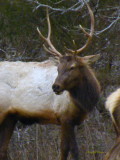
19 41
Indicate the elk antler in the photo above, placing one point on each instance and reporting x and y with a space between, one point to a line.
89 35
51 48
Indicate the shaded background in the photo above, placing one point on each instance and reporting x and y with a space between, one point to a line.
19 40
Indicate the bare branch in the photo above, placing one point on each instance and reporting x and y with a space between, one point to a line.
3 51
108 27
60 2
74 8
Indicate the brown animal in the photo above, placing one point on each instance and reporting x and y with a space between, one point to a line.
27 94
113 105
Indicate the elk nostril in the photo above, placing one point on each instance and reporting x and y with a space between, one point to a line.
56 87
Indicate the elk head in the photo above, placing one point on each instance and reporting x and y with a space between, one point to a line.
71 72
71 68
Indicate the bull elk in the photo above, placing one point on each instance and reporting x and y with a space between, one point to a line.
113 105
31 93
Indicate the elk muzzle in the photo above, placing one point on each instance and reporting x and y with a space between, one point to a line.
57 88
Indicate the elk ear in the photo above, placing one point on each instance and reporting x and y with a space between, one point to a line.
91 59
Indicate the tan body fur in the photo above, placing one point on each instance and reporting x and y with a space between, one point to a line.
26 90
113 106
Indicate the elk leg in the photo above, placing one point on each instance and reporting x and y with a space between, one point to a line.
6 130
68 142
74 146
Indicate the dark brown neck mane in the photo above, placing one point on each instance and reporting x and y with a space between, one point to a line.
87 94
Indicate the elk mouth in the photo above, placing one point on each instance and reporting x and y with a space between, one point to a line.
58 92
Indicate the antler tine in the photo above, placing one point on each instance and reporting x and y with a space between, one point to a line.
48 50
49 25
89 35
52 50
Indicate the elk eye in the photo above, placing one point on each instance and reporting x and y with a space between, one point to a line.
72 66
